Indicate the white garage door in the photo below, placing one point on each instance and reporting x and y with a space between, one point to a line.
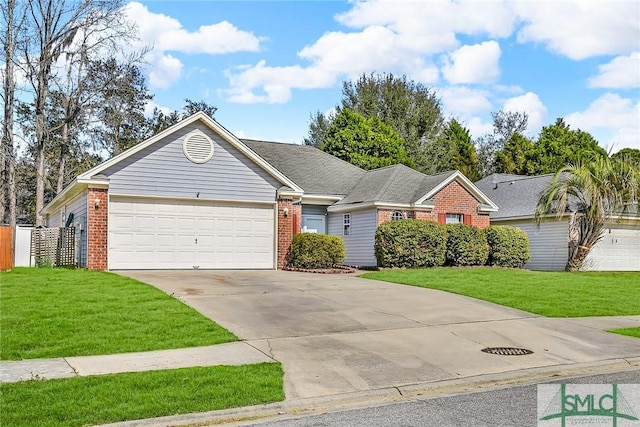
163 234
619 250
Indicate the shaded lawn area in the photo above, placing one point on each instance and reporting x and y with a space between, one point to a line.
630 332
110 398
552 294
47 313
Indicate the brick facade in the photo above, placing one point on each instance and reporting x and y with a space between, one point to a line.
288 226
97 218
452 199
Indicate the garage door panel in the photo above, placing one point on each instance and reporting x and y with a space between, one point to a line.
142 257
164 222
223 225
161 234
143 240
244 242
223 242
618 250
262 227
122 222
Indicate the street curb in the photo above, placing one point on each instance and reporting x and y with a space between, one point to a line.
384 396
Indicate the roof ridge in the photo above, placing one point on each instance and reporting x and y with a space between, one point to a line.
521 177
313 148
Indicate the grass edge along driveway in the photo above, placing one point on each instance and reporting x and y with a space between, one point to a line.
550 294
50 313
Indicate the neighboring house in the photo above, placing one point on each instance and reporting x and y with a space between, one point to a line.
195 196
517 197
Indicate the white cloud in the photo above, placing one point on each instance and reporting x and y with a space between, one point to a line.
610 112
150 106
531 104
430 26
580 29
478 128
477 63
164 71
395 37
275 82
354 53
463 100
622 72
166 34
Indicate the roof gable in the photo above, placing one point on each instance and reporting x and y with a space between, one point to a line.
213 125
401 185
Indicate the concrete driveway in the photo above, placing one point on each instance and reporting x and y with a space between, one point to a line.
339 333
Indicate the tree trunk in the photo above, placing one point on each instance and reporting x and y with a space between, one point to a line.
41 138
8 193
64 144
577 256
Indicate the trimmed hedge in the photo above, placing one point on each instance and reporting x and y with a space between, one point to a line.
508 246
310 250
466 245
411 243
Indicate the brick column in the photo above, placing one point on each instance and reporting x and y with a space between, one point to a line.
97 218
288 226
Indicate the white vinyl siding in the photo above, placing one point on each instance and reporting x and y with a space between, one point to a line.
163 170
187 234
359 244
618 250
548 243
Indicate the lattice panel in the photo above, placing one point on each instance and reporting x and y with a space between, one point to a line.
54 247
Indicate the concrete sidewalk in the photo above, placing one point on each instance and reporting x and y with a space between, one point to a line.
234 353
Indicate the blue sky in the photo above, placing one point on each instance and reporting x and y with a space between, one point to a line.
268 65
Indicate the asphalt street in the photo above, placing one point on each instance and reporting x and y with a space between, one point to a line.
509 407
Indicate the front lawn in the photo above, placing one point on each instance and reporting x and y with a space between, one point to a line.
553 294
47 313
110 398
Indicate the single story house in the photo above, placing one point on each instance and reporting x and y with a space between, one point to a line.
517 197
196 196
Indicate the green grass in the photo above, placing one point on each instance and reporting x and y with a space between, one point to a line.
48 313
553 294
105 399
631 332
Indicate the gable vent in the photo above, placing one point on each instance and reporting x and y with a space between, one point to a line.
197 147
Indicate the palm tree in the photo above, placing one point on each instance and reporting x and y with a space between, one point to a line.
590 193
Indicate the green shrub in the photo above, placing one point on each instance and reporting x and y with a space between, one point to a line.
508 246
466 245
410 243
310 250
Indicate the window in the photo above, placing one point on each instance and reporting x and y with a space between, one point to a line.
454 219
397 216
313 224
346 224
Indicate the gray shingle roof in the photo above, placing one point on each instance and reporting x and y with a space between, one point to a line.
315 171
393 184
515 195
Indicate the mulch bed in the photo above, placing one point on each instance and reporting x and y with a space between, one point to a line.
336 269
